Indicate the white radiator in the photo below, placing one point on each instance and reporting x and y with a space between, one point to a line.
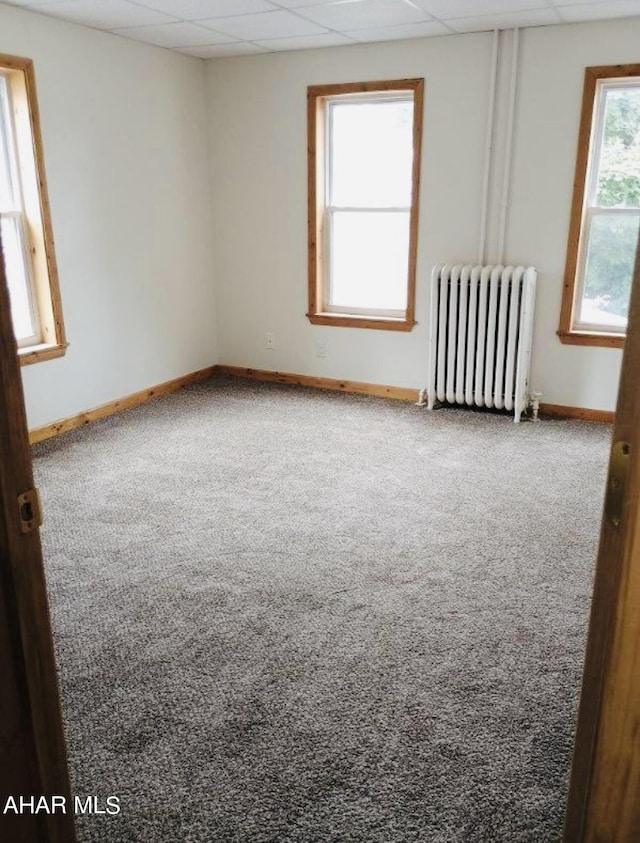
480 336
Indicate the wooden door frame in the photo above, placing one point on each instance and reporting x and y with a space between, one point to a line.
604 793
34 761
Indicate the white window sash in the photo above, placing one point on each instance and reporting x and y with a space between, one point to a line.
327 305
583 252
36 337
597 133
366 97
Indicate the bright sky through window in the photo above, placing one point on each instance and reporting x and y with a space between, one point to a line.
12 228
369 193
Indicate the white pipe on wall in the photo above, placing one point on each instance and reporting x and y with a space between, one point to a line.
484 209
506 178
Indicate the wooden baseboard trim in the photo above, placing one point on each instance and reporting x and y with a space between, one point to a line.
397 393
557 411
39 434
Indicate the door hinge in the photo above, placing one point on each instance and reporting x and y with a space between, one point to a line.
617 483
30 510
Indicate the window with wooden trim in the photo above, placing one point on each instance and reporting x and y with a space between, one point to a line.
25 224
364 173
605 215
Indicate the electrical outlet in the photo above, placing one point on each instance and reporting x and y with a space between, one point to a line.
270 340
321 348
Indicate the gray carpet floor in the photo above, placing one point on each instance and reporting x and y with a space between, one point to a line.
295 616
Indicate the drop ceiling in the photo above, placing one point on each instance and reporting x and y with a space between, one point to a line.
215 28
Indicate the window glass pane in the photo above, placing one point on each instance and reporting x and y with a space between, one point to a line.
609 269
369 260
371 153
19 290
619 165
7 202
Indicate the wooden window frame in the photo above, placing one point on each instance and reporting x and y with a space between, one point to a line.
567 332
316 98
20 76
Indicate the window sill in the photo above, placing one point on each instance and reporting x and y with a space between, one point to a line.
586 338
380 323
37 353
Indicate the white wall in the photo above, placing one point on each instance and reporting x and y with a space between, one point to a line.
139 246
125 144
551 82
258 152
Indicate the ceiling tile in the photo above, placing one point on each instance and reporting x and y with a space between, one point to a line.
175 35
30 2
97 13
238 48
445 9
278 24
212 28
581 2
298 4
363 13
541 17
202 9
406 30
306 42
600 11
